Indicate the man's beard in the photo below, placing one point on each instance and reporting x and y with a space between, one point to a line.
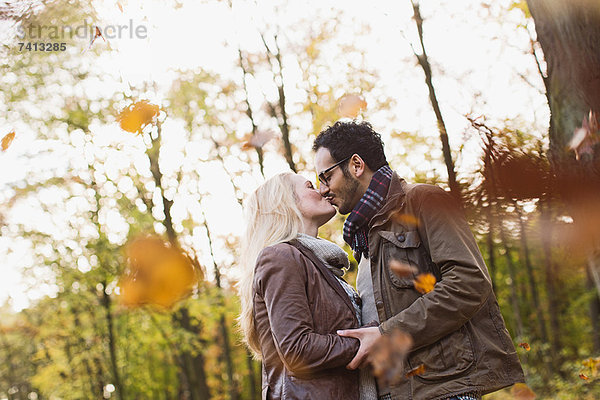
348 192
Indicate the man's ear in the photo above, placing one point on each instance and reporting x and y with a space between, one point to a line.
357 166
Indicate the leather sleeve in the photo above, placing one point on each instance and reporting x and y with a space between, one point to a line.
281 280
465 285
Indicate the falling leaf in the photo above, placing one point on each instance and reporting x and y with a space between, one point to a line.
157 274
351 105
406 219
420 370
402 270
97 34
120 6
388 356
425 283
521 391
584 377
137 116
525 346
7 140
258 139
585 137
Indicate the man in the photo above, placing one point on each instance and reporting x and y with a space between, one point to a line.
458 332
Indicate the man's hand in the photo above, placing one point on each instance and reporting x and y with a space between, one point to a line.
367 337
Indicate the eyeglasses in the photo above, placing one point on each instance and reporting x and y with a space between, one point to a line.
324 180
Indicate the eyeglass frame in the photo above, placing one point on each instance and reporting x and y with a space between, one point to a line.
325 181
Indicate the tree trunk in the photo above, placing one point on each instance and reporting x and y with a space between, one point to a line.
569 34
539 315
514 296
490 244
112 346
423 61
280 112
254 387
551 290
233 392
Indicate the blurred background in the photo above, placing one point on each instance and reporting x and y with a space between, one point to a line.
132 131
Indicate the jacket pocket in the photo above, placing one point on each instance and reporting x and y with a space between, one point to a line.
401 247
445 359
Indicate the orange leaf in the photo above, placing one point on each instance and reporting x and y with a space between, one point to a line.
137 116
525 346
7 140
388 356
420 370
157 274
402 270
584 377
406 219
120 6
521 391
257 140
425 283
585 137
350 105
97 34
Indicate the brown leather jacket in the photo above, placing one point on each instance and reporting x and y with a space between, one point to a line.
298 307
458 331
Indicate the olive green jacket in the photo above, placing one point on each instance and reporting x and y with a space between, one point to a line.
458 331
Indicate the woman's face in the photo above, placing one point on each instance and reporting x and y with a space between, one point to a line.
312 205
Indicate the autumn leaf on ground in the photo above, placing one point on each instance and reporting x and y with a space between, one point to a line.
157 274
388 356
592 365
351 105
97 34
7 140
425 283
584 377
420 370
257 140
585 137
525 346
137 116
402 270
521 391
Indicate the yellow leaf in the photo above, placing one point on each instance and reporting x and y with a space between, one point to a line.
521 391
406 219
158 274
425 283
7 140
137 116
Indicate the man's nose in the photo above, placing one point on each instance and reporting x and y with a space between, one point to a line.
323 189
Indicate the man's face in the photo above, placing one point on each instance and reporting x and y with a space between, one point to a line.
341 191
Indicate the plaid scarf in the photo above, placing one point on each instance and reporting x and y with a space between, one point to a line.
355 227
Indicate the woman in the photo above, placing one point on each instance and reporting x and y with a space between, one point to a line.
293 297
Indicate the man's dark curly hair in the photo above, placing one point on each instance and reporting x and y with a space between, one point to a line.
346 138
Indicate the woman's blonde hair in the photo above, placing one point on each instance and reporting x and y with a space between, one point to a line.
272 216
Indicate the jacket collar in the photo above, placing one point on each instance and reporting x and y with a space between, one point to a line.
393 200
328 275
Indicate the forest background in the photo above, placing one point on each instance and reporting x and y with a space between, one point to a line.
126 157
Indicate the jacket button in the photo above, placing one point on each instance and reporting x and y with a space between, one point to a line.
379 304
401 237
